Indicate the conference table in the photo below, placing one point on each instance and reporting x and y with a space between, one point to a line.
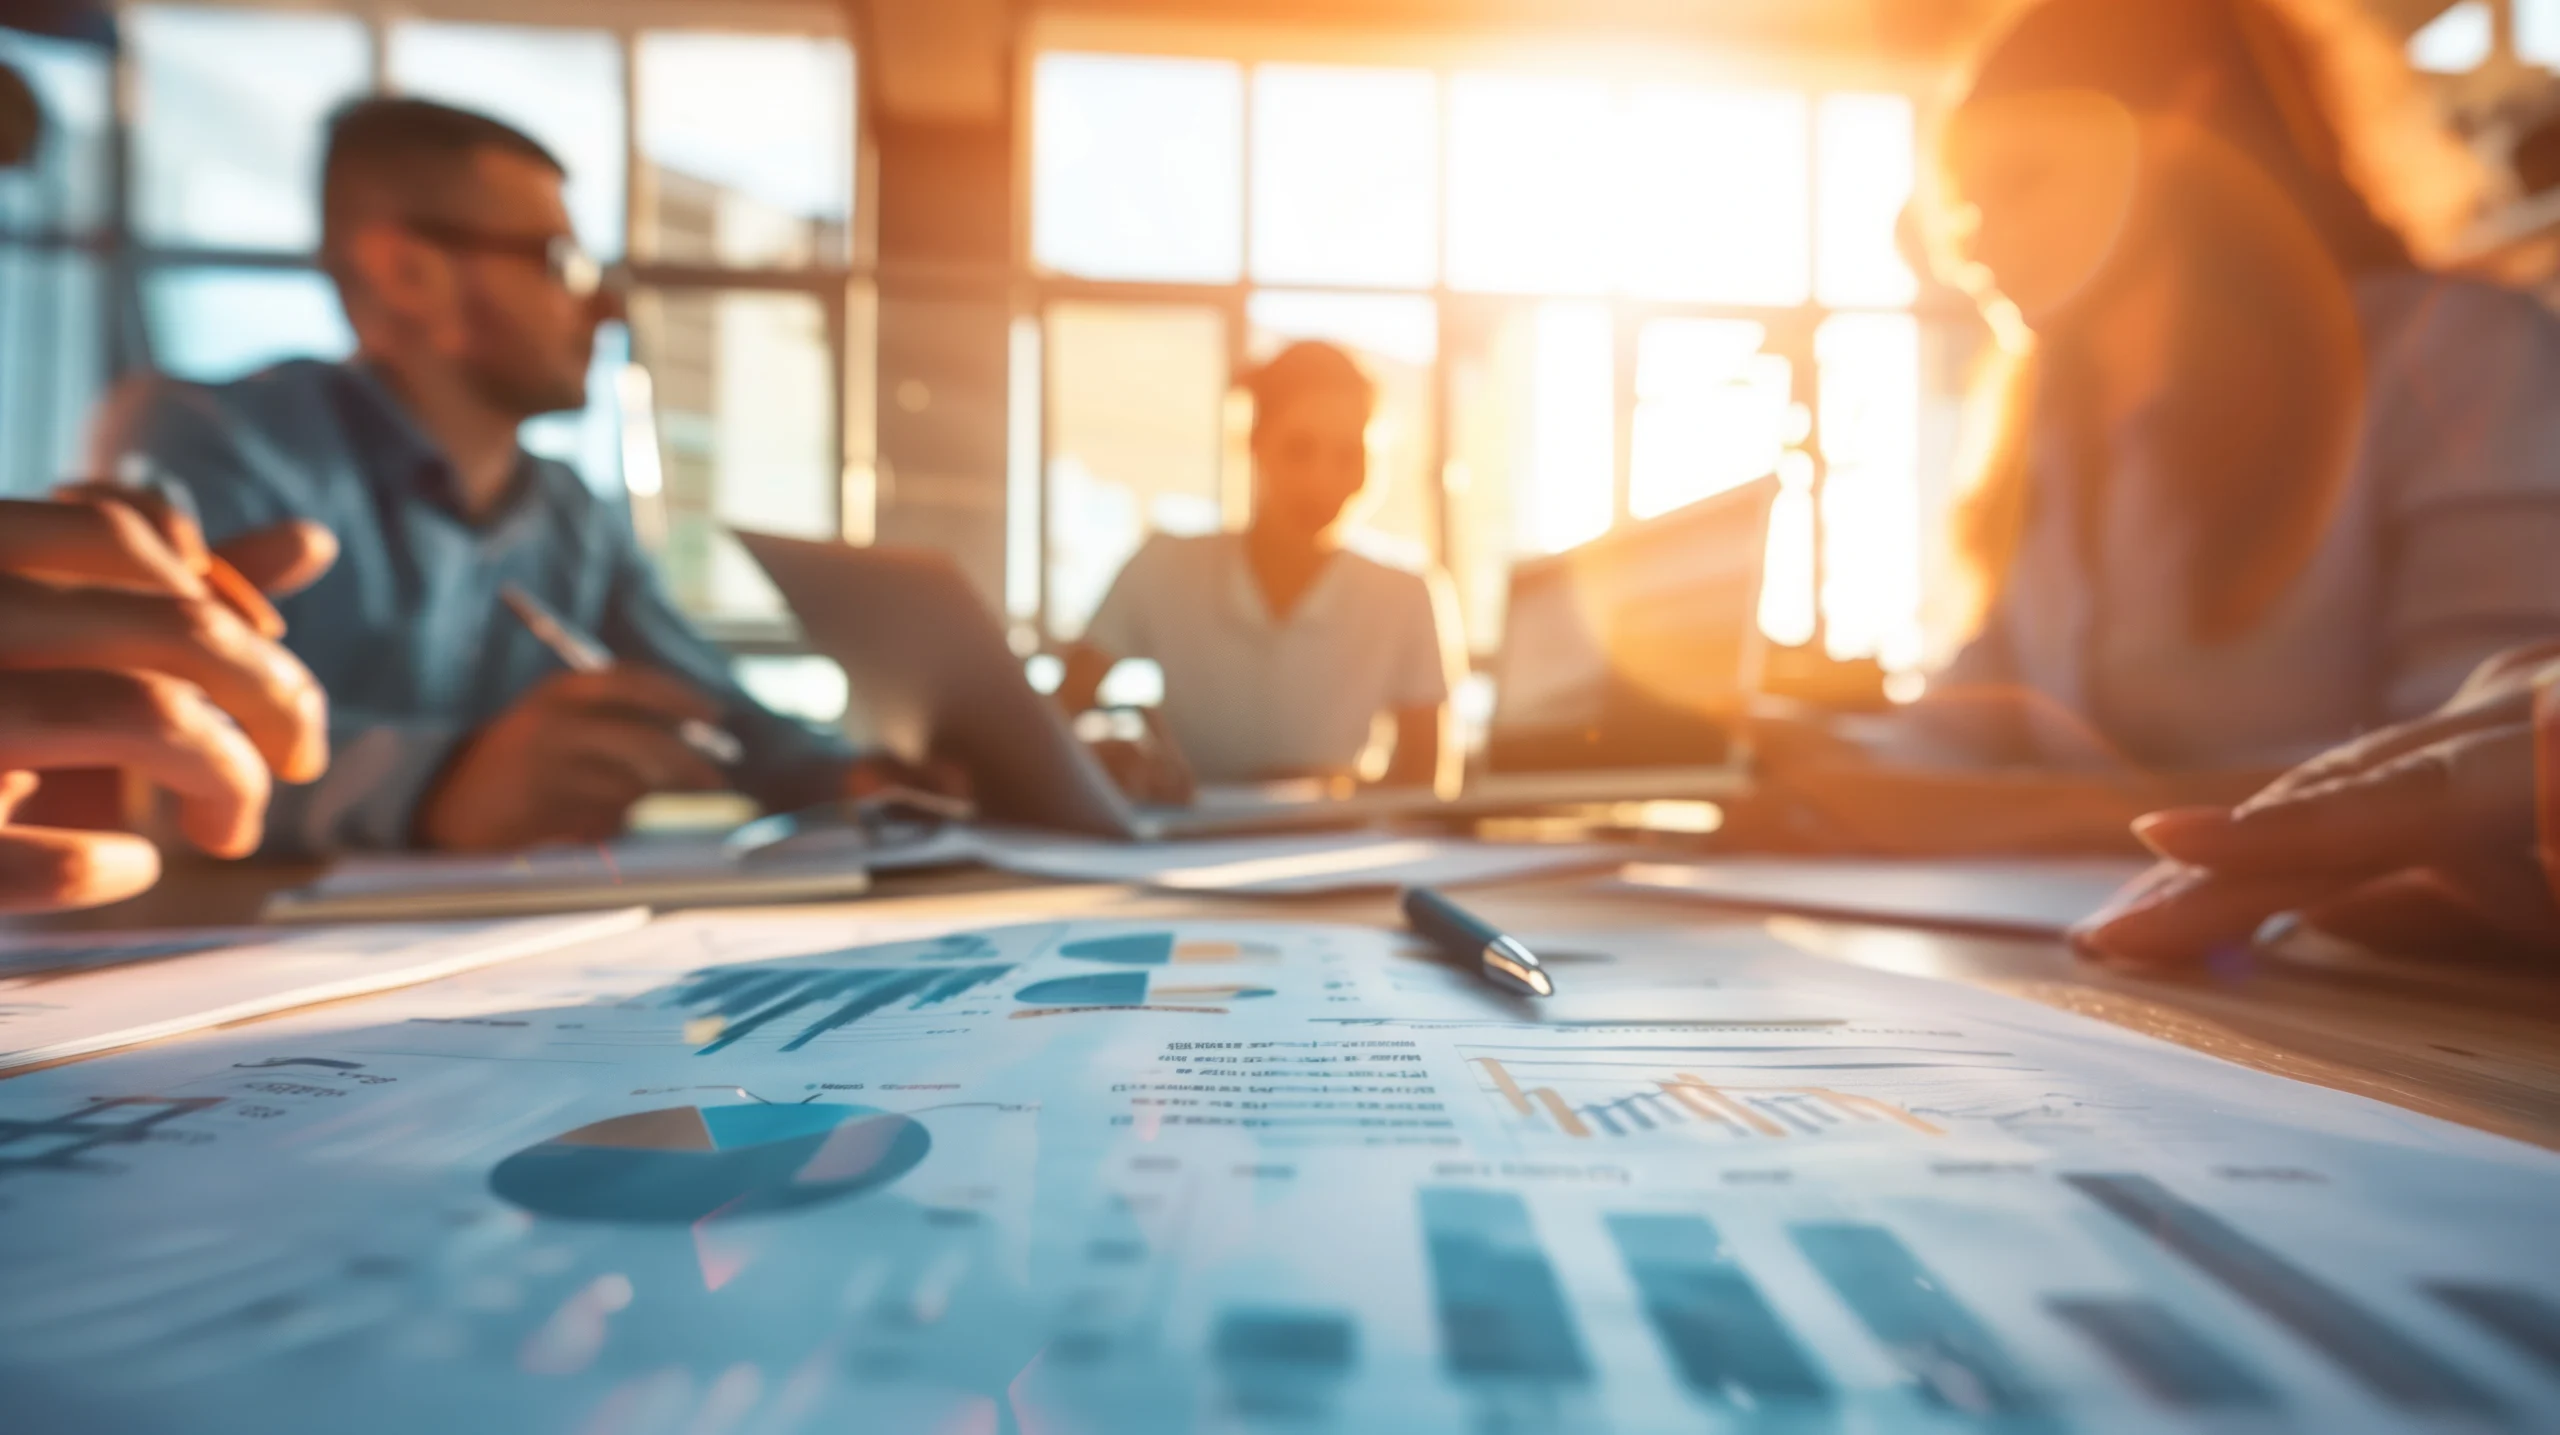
2466 1046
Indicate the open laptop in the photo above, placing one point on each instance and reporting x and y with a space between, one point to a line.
929 665
1627 663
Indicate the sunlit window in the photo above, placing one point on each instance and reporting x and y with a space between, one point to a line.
1565 354
1870 378
2537 31
1867 165
1572 435
1345 176
231 104
1715 199
1532 183
2459 40
745 411
748 146
563 87
1138 167
217 324
1135 397
1712 411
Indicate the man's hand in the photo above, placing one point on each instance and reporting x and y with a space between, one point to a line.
566 763
123 643
2447 799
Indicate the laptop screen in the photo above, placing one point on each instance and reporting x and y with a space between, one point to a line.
1655 623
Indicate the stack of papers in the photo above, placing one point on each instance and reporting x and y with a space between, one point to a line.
800 1173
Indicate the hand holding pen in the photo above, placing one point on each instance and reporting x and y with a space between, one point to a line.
566 762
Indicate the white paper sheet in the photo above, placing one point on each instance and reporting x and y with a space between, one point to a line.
652 870
1302 864
2031 896
785 1173
65 996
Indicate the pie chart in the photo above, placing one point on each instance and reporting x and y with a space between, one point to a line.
679 1164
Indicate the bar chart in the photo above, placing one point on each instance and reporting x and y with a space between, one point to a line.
1740 1333
735 1003
1594 1100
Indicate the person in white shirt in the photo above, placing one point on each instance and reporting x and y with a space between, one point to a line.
1279 645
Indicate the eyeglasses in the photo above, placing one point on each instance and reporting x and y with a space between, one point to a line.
560 255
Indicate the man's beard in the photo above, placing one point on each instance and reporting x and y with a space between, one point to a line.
519 390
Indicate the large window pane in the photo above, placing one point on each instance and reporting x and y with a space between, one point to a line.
215 324
231 105
1136 394
1137 167
1712 411
744 397
590 439
1532 445
1532 184
51 370
1396 338
748 146
1716 204
1865 162
1346 175
66 186
1870 390
563 87
2459 40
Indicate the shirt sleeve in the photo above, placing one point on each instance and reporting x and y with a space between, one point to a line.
787 763
1121 626
1431 650
2471 466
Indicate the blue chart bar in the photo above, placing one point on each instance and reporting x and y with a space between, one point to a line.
1712 1321
2163 1354
2525 1319
1313 1341
1282 1362
1957 1360
1502 1315
752 998
2366 1348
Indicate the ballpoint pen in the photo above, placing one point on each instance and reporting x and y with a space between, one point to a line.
1469 938
585 655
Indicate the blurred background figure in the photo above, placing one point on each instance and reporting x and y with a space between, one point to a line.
989 280
474 309
2261 480
2438 835
1280 646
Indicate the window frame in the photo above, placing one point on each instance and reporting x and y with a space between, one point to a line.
1791 328
844 288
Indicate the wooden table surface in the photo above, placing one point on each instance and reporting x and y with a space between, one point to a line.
2476 1049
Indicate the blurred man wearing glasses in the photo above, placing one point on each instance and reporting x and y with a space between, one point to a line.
474 309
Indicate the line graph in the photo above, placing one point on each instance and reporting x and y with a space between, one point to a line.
1595 1100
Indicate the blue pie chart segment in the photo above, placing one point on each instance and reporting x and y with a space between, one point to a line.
1093 989
679 1164
1135 949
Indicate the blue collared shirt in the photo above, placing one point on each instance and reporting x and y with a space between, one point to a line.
406 632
